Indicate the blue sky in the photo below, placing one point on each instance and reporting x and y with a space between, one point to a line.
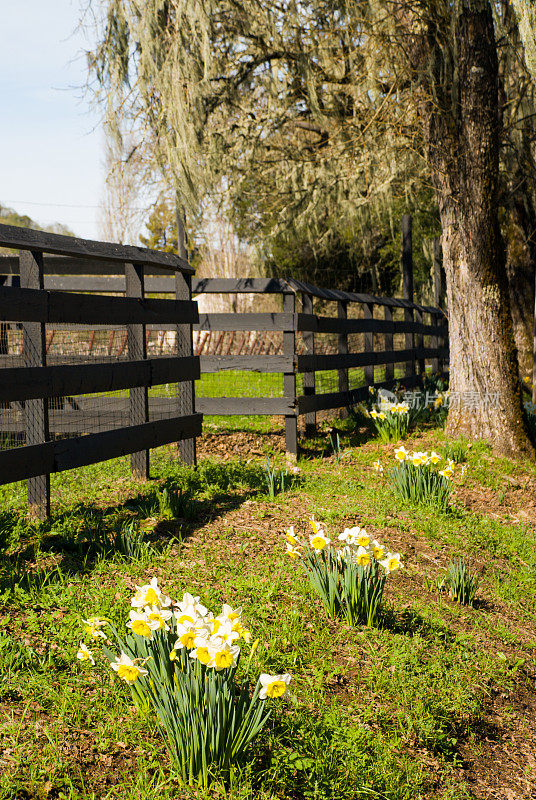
51 142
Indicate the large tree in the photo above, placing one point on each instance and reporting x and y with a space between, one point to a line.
335 102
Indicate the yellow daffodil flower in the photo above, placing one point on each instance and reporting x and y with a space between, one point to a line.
187 636
434 458
191 604
231 613
362 557
319 540
202 654
127 669
158 616
292 552
93 627
149 595
350 535
363 538
84 654
392 562
273 685
378 549
141 625
187 617
401 454
226 656
291 538
316 526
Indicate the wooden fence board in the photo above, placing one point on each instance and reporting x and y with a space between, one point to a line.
247 406
28 239
73 266
253 363
34 305
246 322
333 325
320 362
23 383
28 462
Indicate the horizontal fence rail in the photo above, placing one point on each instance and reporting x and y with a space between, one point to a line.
45 402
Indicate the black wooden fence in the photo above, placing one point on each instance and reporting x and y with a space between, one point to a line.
389 340
30 386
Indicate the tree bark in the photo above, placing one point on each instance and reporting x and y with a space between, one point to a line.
462 137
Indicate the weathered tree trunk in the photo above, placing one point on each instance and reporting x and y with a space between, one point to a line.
463 149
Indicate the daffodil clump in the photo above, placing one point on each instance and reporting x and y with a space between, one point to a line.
392 418
418 478
350 577
181 660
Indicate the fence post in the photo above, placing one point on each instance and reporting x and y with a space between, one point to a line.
342 349
419 340
407 286
35 411
309 378
389 344
3 325
368 313
137 350
289 381
185 347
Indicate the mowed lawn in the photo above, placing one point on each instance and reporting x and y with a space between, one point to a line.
438 702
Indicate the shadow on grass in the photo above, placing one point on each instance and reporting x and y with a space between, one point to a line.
411 623
168 510
325 443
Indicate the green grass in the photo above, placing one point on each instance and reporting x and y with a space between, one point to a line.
372 713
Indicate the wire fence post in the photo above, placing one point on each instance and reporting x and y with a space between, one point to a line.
137 351
35 411
4 349
389 374
185 342
309 378
342 350
407 286
368 313
289 381
419 341
186 390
